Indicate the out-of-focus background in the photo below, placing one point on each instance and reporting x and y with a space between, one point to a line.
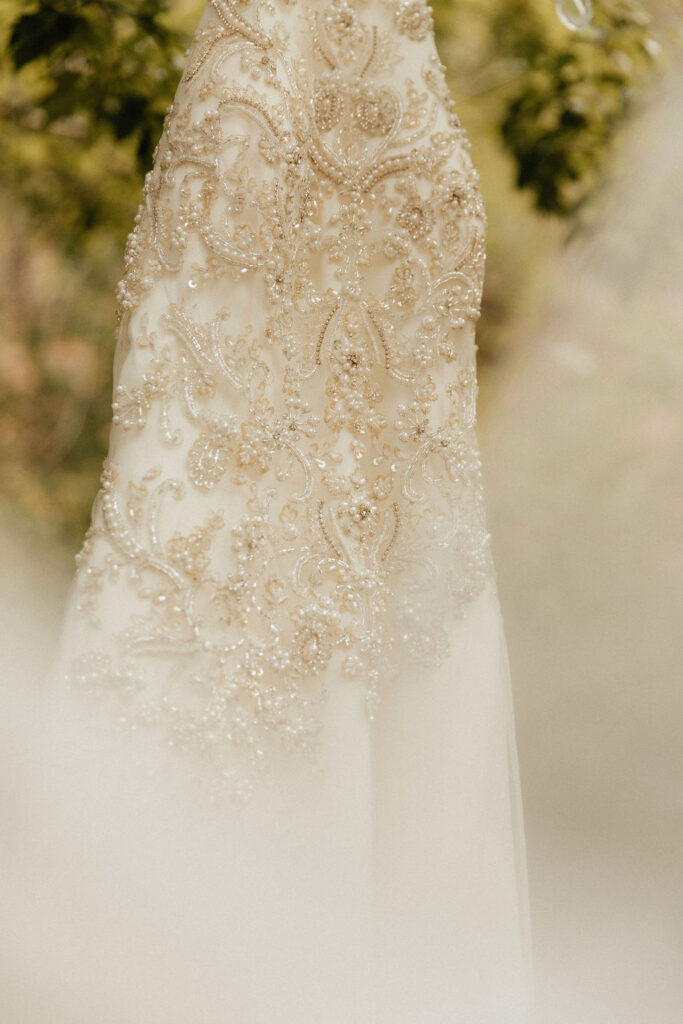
578 141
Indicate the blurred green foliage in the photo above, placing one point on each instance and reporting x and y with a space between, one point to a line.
84 86
556 97
559 122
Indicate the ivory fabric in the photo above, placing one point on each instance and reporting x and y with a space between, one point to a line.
286 601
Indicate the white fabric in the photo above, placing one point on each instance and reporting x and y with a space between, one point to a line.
376 876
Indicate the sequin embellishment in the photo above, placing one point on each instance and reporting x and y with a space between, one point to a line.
293 491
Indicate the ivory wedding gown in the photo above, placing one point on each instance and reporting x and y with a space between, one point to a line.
286 600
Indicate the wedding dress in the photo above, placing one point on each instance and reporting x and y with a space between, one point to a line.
286 600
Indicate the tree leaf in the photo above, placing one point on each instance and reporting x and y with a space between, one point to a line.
37 34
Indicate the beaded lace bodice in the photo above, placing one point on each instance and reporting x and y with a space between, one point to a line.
292 497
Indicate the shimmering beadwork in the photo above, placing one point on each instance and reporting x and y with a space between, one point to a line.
293 493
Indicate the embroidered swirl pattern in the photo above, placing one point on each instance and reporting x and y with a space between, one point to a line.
293 489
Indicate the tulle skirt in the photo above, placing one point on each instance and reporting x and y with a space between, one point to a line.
388 887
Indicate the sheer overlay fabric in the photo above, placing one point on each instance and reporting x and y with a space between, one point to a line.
286 600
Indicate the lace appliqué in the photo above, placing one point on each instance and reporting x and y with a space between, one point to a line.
293 491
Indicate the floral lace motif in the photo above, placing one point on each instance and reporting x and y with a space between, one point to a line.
293 491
